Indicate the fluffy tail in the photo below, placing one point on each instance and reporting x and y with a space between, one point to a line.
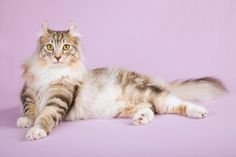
201 89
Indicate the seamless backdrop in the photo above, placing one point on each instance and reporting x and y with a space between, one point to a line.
169 39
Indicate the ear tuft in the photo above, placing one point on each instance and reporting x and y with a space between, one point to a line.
73 30
44 29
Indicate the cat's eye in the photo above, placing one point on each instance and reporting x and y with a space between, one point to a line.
66 47
50 47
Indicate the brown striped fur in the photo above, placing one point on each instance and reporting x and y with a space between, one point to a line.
28 98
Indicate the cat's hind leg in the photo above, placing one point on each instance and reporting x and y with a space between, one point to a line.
171 104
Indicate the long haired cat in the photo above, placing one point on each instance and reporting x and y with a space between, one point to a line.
59 87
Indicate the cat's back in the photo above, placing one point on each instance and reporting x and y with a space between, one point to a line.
101 81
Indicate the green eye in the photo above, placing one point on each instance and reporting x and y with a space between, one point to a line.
66 47
50 47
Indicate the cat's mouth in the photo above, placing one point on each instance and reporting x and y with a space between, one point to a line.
57 62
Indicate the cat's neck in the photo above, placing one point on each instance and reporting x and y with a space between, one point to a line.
49 73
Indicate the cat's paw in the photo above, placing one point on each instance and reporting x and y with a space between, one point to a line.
197 112
35 133
143 116
24 122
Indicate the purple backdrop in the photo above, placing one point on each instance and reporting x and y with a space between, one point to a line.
164 38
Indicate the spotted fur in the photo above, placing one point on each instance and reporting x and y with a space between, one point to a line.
58 87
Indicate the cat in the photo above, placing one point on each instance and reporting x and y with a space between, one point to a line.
59 87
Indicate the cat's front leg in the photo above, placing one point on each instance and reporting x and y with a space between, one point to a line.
28 96
59 103
49 118
45 122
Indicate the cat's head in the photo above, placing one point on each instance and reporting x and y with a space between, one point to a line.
58 48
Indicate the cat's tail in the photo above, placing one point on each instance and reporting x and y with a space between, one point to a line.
201 89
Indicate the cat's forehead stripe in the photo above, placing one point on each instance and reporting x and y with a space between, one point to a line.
58 36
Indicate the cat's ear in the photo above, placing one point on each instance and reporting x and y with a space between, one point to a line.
44 29
73 30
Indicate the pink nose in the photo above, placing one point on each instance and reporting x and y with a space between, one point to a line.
58 58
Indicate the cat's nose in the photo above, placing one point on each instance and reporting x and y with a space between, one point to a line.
58 58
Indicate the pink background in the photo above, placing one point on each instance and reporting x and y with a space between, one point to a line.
169 39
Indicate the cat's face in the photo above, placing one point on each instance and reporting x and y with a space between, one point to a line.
59 47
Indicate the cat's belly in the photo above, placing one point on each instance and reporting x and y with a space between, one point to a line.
100 108
97 104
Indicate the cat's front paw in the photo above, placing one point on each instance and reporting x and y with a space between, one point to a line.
35 133
197 112
24 122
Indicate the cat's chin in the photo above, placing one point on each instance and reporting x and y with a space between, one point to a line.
58 63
